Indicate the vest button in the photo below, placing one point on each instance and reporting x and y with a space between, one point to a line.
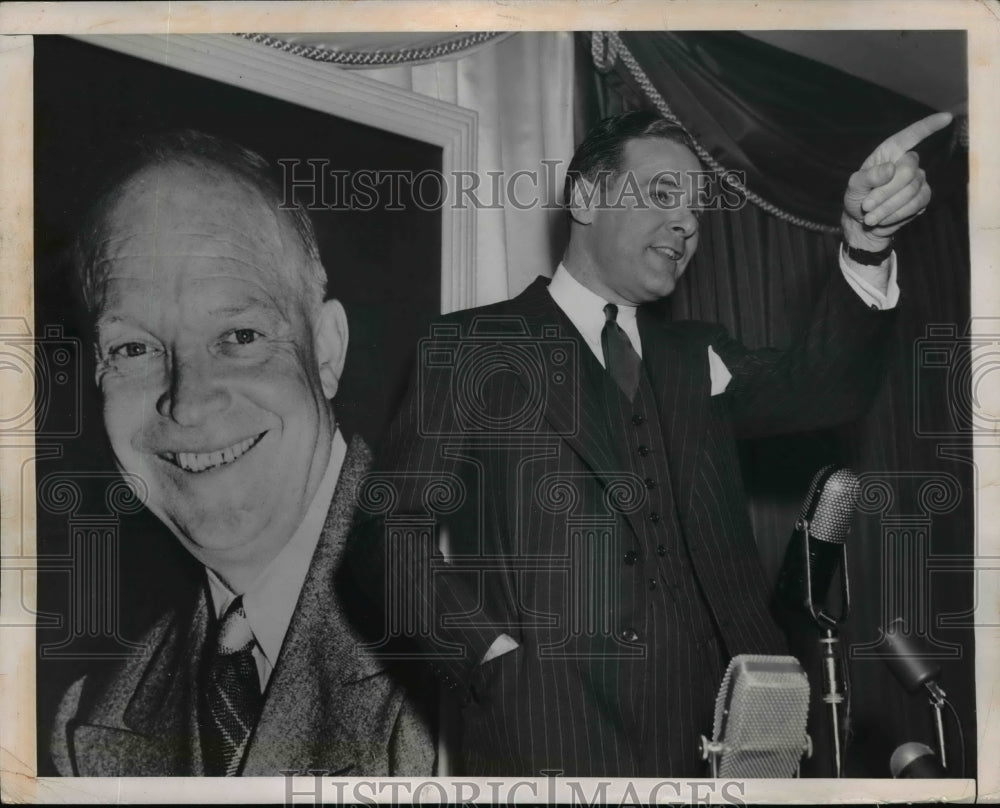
629 635
630 557
654 517
652 583
638 420
661 550
650 482
643 451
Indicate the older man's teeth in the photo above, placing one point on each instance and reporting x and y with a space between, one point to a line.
203 461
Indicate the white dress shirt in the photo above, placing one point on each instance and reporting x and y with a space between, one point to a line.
585 309
269 601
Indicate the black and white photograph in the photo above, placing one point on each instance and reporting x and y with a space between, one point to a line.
487 412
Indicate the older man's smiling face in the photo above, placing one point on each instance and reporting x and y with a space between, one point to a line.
214 369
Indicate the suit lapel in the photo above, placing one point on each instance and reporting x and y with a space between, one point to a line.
573 408
158 730
307 715
679 374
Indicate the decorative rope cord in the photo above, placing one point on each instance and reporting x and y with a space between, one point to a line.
606 48
376 58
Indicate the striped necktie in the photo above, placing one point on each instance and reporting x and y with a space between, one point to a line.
620 358
232 697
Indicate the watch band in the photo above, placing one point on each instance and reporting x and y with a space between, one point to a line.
867 257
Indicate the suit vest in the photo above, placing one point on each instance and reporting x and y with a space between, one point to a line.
662 604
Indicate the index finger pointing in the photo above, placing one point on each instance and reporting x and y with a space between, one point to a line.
915 132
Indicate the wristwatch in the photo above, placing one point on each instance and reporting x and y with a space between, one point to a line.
867 257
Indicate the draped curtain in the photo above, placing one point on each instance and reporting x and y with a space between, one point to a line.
522 89
798 129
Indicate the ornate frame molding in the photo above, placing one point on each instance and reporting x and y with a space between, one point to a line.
348 95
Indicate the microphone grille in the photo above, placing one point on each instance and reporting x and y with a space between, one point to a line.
832 501
760 716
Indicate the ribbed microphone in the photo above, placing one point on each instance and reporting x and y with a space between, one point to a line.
760 718
915 760
816 548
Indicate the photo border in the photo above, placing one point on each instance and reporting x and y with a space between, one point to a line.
17 594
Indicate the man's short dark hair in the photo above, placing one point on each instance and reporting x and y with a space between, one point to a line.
600 153
189 147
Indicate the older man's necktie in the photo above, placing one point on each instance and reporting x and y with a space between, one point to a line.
620 358
232 694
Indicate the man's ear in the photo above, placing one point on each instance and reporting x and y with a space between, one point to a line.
330 341
583 200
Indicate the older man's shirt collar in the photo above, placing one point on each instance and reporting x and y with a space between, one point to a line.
585 310
270 601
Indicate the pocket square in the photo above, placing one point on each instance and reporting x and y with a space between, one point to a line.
718 372
501 645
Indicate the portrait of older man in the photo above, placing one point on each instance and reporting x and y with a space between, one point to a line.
217 353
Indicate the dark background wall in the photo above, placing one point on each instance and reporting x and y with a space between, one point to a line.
384 265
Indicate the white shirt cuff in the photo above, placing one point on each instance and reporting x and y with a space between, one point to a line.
854 275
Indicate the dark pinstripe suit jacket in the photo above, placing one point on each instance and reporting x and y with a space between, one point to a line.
326 707
502 443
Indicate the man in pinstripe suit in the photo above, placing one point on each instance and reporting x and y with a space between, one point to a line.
573 457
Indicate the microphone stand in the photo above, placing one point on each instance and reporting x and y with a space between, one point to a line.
833 679
833 690
937 702
833 693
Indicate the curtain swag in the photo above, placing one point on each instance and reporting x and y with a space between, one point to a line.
380 57
607 48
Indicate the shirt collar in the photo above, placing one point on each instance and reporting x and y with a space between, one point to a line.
270 601
585 309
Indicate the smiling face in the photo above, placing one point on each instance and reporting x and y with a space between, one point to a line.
215 368
634 248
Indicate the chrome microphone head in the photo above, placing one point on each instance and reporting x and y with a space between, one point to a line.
831 502
913 760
